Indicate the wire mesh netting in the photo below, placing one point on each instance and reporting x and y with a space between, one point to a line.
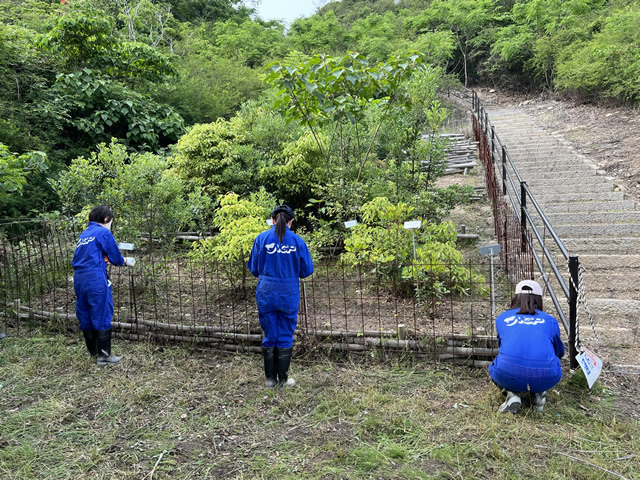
168 297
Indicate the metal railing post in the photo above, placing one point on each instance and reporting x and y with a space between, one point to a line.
523 215
573 310
504 170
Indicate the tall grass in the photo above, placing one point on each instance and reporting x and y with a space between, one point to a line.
174 413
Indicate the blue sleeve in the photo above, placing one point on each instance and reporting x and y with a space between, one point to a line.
252 264
558 346
111 249
306 264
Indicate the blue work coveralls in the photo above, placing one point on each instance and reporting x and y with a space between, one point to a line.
529 352
279 267
94 296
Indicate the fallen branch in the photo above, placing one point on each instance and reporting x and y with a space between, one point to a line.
582 460
150 475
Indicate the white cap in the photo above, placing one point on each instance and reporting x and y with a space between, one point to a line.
530 287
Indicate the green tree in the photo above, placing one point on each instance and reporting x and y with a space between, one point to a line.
197 11
319 34
337 92
539 30
608 64
468 20
210 156
376 36
251 42
93 100
14 170
145 195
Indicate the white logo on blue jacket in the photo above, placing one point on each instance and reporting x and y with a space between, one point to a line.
272 248
85 241
523 320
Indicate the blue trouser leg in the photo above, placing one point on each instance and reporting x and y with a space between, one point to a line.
278 312
94 303
82 308
287 323
515 383
269 324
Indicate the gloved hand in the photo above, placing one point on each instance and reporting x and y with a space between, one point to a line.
129 261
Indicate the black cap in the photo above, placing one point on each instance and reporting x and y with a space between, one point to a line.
283 208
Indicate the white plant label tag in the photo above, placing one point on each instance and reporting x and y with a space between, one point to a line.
126 246
350 223
412 224
591 365
269 221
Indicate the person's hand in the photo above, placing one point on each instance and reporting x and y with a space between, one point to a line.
129 261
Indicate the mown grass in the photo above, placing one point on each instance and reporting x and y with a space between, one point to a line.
182 414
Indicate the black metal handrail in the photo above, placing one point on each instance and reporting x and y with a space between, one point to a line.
519 202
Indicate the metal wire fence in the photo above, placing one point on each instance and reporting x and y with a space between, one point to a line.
168 297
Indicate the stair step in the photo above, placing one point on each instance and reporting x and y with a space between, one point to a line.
579 218
591 245
579 197
527 173
589 207
595 262
539 188
598 230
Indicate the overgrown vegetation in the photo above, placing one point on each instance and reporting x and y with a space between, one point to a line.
181 413
77 73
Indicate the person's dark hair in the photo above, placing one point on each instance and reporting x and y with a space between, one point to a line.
528 303
101 214
281 216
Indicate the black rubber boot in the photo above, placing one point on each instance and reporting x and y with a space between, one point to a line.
269 354
104 349
283 360
91 339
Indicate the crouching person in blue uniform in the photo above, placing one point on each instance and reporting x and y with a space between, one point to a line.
94 296
529 350
279 258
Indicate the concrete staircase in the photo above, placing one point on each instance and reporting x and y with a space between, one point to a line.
595 220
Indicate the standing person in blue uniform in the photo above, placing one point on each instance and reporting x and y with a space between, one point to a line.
529 350
94 296
279 258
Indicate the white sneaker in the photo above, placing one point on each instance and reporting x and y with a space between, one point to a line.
538 400
107 359
289 383
511 404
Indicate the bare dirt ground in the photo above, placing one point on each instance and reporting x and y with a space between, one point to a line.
609 135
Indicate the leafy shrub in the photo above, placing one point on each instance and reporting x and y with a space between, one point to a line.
382 241
609 63
145 196
238 222
204 154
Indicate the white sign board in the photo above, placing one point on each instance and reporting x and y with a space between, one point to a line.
490 250
412 224
591 365
269 221
350 223
126 246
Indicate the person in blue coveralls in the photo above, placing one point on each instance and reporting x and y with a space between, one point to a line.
529 350
94 297
279 258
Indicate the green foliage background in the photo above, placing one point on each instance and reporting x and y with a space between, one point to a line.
147 72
